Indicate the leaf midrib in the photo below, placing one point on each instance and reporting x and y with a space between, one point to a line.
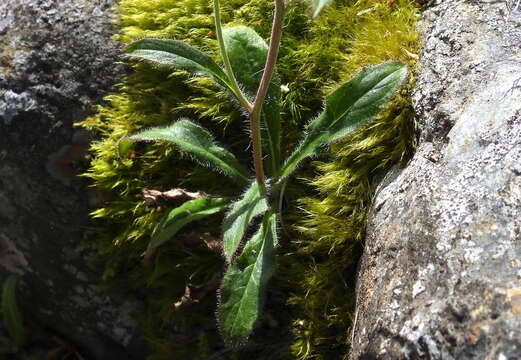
204 69
374 88
247 286
217 159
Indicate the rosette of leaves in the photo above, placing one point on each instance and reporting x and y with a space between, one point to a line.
249 77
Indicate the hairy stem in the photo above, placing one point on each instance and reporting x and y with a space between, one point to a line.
269 68
227 65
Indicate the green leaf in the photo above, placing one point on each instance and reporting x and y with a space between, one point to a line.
318 5
348 107
178 55
247 52
199 143
177 218
252 204
11 314
244 284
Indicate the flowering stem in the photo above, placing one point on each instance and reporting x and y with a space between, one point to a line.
228 66
269 68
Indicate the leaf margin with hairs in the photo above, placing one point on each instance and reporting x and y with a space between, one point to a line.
179 55
180 216
252 204
198 142
330 126
243 289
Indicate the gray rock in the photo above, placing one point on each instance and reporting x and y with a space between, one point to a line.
56 62
440 276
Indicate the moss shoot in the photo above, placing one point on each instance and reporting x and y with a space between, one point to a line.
310 305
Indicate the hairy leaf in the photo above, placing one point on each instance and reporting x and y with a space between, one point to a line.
244 284
247 52
177 218
252 204
348 107
318 5
11 314
199 143
179 55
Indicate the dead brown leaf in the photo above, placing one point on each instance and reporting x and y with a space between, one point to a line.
155 197
195 293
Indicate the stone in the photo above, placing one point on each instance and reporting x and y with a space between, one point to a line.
440 277
57 61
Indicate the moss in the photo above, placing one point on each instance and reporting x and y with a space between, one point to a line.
311 300
334 224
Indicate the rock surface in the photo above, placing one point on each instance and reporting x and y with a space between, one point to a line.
56 61
440 276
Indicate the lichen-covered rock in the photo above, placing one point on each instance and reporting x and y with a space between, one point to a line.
56 62
440 276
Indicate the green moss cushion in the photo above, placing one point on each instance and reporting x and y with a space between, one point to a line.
311 301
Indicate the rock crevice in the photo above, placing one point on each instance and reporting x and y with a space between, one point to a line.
441 273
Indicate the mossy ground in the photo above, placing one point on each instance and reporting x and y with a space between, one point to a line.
311 300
